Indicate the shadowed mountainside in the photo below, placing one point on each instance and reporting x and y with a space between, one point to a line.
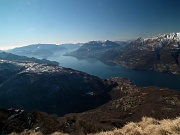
49 88
128 103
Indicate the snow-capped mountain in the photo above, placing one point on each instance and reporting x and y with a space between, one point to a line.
160 53
164 40
166 37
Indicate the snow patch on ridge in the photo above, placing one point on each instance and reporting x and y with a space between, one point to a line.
165 37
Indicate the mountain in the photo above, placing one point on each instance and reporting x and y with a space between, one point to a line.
13 57
123 43
160 53
94 48
71 47
38 50
49 88
128 103
79 103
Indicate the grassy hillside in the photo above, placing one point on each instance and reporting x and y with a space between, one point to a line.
147 126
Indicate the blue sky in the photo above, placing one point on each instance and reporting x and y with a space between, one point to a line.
24 22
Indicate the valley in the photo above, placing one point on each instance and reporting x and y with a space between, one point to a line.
89 67
98 86
159 53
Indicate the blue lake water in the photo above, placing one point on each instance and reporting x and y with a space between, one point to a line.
140 78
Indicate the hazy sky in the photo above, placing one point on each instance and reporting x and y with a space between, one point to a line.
24 22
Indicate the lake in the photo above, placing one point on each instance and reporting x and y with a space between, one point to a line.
140 78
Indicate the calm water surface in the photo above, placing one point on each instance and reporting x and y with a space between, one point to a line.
140 78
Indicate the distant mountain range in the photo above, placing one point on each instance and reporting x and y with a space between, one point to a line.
72 47
49 50
13 57
86 103
43 50
96 48
160 53
123 43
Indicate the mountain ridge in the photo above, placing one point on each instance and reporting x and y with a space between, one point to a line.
38 50
49 88
79 103
159 53
95 48
13 57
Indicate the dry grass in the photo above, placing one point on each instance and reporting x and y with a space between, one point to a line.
148 126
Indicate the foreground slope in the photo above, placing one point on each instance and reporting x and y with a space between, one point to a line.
128 103
160 53
147 126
